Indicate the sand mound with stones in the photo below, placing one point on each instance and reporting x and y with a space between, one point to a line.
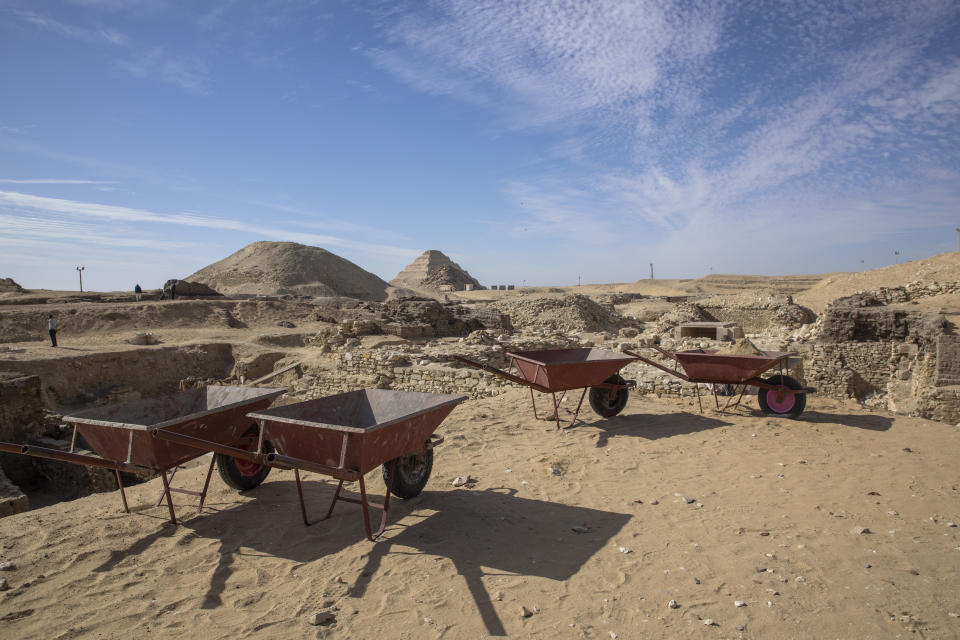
567 313
741 347
272 268
941 268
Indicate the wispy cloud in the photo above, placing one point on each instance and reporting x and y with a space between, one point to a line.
87 210
185 71
722 112
54 181
95 35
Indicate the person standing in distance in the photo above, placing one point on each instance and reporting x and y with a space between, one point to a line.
137 291
52 326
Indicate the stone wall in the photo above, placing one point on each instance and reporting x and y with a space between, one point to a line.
948 361
392 370
941 404
21 420
81 379
852 369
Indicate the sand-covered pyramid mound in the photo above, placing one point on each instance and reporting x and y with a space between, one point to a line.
272 268
7 285
433 270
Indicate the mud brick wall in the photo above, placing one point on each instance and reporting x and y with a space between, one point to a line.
390 370
948 361
852 369
941 404
21 420
79 380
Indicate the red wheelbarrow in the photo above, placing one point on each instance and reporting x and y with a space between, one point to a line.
121 437
346 436
778 395
562 370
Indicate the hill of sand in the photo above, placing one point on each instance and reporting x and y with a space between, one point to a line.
592 530
941 268
271 268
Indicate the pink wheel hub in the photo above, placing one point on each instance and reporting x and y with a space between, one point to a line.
246 468
780 401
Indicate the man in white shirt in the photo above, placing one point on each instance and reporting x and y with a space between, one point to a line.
52 325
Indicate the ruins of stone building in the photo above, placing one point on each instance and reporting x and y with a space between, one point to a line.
911 359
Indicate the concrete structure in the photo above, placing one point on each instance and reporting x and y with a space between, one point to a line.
709 330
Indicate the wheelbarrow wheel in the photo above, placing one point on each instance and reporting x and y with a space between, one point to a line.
240 474
609 402
410 475
784 405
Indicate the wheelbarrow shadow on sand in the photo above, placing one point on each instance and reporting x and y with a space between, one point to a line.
653 426
274 502
498 533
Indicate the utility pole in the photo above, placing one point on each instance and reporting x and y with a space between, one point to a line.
651 271
897 254
578 279
80 272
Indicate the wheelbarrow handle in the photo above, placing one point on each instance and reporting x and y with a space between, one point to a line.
501 373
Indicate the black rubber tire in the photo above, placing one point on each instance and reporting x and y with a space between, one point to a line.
233 477
607 402
411 474
800 399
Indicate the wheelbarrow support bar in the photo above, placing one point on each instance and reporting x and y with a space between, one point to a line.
75 458
208 445
503 374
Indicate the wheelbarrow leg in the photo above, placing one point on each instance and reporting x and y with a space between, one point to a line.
169 480
577 412
384 508
365 505
206 483
699 404
123 494
166 492
534 403
303 506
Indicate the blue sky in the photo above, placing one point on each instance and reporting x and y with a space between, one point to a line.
533 142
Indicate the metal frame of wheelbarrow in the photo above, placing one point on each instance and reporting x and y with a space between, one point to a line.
710 367
355 450
537 375
122 442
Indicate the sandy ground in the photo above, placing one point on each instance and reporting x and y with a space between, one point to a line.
587 528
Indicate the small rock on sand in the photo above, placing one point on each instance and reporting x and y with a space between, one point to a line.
673 604
322 618
459 481
7 566
525 613
860 531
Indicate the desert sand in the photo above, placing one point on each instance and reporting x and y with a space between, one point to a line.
661 522
592 529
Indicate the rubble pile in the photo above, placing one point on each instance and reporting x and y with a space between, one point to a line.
566 313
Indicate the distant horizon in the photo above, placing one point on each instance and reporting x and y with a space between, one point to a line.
86 289
533 141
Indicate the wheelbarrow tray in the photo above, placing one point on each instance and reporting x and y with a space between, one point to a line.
122 432
707 365
357 430
566 369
